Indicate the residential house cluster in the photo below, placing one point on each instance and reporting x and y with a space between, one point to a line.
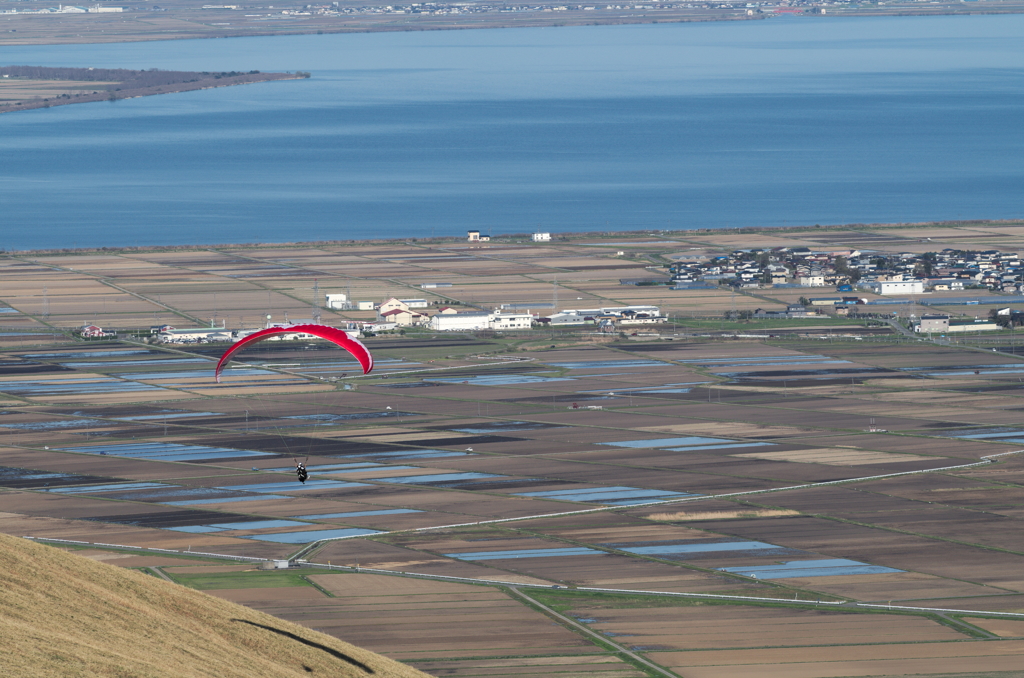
902 273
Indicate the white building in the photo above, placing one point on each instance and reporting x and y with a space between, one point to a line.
195 335
541 237
510 320
365 305
415 303
623 314
897 287
447 321
811 281
337 301
455 322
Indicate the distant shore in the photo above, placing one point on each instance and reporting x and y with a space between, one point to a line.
518 238
36 23
28 87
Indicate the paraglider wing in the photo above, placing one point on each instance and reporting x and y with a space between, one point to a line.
332 334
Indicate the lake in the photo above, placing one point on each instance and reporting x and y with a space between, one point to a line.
787 121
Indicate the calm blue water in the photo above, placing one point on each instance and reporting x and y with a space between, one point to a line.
785 121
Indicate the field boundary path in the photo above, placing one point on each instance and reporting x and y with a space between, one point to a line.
599 637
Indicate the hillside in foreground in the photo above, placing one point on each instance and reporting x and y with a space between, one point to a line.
64 615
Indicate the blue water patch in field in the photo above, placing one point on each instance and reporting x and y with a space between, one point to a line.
357 514
618 496
257 524
1003 434
602 364
195 529
169 415
779 359
98 353
665 390
154 362
193 374
526 553
167 451
498 379
717 447
56 425
224 500
311 536
6 309
700 548
809 568
114 487
665 442
312 484
437 478
785 364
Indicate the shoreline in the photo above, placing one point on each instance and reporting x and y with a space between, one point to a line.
188 23
66 86
524 238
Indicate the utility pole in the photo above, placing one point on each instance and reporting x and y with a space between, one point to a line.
316 301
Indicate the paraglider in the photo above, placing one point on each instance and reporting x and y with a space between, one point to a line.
332 334
300 470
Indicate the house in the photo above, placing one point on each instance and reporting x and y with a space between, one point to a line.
390 305
402 317
933 322
506 320
541 237
94 331
762 314
799 311
810 280
477 236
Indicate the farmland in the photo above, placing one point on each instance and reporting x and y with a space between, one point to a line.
820 502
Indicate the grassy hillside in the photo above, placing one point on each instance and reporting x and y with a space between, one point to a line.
64 615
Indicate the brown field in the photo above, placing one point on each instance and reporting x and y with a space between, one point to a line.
414 616
867 660
701 628
955 532
564 667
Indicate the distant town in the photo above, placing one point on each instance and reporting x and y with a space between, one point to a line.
831 283
39 22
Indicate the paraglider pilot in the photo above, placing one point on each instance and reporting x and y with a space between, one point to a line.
301 472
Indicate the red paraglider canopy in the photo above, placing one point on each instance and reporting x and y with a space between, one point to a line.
339 337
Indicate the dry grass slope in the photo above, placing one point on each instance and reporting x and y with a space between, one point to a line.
64 615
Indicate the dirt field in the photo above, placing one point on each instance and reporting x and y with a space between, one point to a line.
500 440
